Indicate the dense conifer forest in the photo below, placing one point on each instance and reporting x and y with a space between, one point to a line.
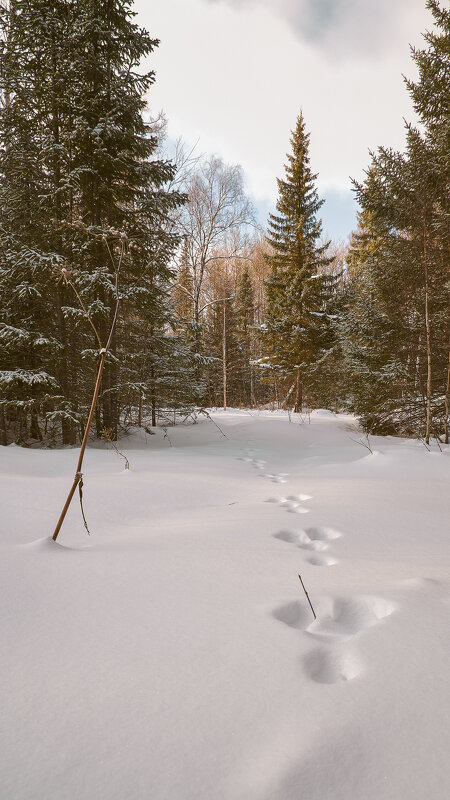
104 239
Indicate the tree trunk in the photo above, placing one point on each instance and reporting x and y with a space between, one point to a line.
286 399
197 337
68 430
3 439
428 329
252 388
110 399
224 357
35 431
153 393
298 392
98 421
447 396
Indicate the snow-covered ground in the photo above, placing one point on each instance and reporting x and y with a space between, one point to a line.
173 654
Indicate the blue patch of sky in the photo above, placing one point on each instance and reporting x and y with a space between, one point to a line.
339 213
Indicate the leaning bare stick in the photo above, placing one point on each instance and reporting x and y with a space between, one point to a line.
102 352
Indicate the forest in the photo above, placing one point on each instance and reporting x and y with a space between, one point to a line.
146 278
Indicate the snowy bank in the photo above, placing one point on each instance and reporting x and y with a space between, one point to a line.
173 654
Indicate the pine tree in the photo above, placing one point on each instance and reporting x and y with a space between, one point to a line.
297 291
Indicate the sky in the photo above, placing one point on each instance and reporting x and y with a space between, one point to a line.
232 76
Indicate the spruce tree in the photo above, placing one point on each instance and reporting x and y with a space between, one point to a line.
406 195
296 328
34 380
431 98
79 176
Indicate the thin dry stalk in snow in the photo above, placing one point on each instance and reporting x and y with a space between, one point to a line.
365 443
307 596
107 435
78 478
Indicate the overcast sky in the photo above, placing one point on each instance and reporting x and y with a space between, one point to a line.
233 75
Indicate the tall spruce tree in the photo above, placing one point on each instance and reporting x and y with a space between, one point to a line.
431 98
79 177
33 379
296 330
405 196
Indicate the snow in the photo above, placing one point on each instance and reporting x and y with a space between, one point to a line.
173 655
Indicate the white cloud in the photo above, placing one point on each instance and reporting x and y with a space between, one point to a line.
342 28
234 75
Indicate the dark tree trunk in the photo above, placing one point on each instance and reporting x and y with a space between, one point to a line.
35 431
3 438
298 392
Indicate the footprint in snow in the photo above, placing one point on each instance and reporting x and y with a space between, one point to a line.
295 614
257 463
323 534
325 666
301 539
338 619
319 560
275 477
342 618
316 539
292 503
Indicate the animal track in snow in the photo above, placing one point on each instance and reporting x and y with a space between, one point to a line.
275 477
341 618
319 560
338 618
295 509
294 614
301 539
321 665
292 503
325 666
257 463
323 534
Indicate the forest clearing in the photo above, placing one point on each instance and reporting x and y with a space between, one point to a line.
173 653
224 399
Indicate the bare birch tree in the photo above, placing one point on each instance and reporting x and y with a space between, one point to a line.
217 209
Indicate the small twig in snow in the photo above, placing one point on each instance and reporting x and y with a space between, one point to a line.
166 435
107 435
365 444
307 596
203 411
